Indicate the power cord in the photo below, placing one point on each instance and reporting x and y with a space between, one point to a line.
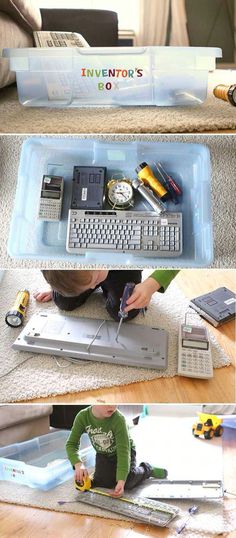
229 492
67 359
15 367
95 336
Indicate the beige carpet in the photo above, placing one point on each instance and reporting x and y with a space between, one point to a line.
40 376
213 115
223 157
211 518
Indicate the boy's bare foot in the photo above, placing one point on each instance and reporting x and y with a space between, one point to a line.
43 296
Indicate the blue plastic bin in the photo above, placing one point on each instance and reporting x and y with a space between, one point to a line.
189 164
42 462
118 76
229 421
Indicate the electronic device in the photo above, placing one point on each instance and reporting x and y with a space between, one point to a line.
51 197
88 188
144 510
15 316
146 175
120 193
128 290
194 351
217 307
59 83
156 204
95 340
181 489
139 232
226 93
59 39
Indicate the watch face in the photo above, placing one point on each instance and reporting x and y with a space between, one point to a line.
120 193
234 95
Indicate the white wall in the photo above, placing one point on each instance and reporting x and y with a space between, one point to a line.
174 410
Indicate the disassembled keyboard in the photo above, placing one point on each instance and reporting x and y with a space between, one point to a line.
95 340
181 489
144 510
140 232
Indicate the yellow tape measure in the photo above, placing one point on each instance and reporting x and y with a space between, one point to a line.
86 486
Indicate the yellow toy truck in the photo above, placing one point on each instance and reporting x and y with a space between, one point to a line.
208 426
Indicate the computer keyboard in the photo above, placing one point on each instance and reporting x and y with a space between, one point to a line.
141 232
59 39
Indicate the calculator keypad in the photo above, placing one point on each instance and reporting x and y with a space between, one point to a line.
195 363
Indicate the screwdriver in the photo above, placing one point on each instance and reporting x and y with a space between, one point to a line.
128 290
171 185
192 510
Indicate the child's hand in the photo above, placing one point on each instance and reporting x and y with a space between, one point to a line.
142 294
119 489
43 296
80 472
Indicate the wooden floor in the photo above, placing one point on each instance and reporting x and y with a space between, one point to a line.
24 522
178 389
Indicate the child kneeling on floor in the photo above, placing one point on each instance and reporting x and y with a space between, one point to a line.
115 465
70 289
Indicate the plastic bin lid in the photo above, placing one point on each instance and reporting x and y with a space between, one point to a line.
68 51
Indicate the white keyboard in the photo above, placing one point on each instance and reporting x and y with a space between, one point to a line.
141 232
59 39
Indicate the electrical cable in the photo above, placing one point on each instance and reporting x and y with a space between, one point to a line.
15 367
95 336
229 492
68 359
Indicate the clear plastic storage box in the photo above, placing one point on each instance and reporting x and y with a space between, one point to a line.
73 77
42 462
189 164
229 421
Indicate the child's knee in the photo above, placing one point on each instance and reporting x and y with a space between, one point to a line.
67 307
63 303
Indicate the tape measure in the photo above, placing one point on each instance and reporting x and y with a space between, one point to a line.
138 502
15 316
85 485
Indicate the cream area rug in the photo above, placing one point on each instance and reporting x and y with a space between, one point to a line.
213 115
42 376
223 162
212 519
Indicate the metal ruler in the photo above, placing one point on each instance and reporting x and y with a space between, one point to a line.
143 510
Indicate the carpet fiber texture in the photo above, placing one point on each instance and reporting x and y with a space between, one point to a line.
213 115
223 162
42 376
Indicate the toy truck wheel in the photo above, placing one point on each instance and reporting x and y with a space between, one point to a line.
209 434
218 431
